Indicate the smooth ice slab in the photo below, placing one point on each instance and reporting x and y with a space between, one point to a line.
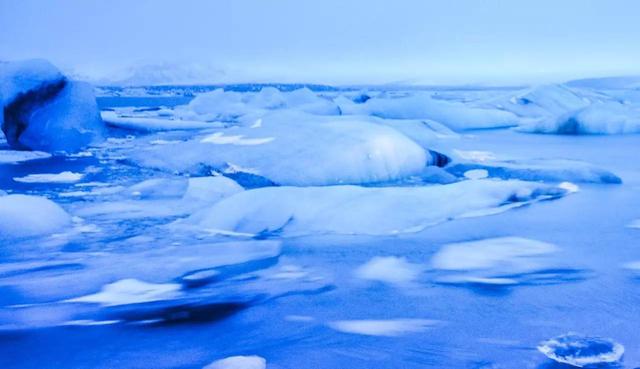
63 177
239 362
385 328
293 211
15 156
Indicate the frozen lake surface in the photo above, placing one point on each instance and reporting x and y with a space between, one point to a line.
129 283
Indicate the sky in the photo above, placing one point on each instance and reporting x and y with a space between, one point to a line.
331 41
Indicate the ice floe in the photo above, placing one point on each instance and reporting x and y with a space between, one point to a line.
30 216
582 351
239 362
384 327
15 156
454 115
152 124
292 211
547 170
498 261
63 177
389 269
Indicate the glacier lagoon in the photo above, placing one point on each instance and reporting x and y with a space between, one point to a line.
172 245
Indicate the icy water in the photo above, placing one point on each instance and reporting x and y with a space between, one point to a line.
290 314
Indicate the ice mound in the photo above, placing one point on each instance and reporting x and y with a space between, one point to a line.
42 110
548 170
598 118
63 177
15 156
581 351
360 210
239 362
497 261
30 216
546 100
390 269
293 148
454 115
385 328
151 124
220 105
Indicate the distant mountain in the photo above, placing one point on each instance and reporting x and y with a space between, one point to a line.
607 83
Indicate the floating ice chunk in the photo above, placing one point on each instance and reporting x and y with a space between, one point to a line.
239 362
546 100
598 118
305 150
389 269
26 77
454 115
475 155
496 261
131 291
549 170
385 328
63 177
634 224
581 351
633 266
30 216
363 210
14 156
152 124
505 253
476 174
159 188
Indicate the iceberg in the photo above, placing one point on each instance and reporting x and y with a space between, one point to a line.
582 351
599 118
295 211
221 105
454 115
293 148
24 216
43 110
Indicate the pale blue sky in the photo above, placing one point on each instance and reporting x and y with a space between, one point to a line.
335 41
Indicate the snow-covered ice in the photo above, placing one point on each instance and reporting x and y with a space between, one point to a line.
15 156
30 216
384 327
294 211
389 269
131 291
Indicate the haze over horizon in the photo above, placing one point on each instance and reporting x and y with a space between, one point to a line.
332 42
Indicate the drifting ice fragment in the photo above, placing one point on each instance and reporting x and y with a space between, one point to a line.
389 269
64 177
581 351
30 216
239 362
386 328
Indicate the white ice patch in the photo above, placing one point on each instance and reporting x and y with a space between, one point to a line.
490 260
299 211
385 328
581 351
475 155
153 124
476 174
15 156
239 362
219 138
634 224
64 177
131 291
390 269
30 216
